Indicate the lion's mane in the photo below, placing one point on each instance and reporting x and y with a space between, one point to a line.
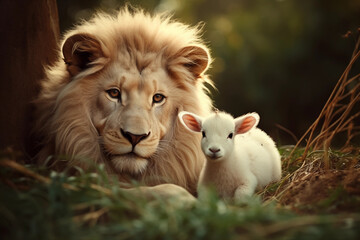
73 125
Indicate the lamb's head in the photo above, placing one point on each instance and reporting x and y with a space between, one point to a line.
218 131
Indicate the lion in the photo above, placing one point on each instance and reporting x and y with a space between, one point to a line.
114 94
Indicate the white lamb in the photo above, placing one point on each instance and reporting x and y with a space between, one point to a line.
240 157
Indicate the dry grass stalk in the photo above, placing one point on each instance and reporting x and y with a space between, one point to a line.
27 172
337 115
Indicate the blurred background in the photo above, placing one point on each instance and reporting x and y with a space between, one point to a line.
280 58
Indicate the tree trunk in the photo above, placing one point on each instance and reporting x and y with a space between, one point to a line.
29 34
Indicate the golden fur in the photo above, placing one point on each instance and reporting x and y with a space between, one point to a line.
114 95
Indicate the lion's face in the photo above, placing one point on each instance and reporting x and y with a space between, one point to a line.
132 113
114 95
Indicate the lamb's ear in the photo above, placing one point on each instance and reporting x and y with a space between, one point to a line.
195 58
82 51
191 121
246 122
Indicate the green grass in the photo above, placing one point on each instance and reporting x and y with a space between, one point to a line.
89 206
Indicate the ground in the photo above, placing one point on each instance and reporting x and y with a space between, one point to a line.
308 187
331 191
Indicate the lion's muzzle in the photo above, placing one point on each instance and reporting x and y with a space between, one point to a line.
134 138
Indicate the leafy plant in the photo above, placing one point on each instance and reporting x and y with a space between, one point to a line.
88 206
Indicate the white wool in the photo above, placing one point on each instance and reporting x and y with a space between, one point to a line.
240 157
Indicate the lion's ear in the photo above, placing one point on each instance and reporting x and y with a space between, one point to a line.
195 58
83 51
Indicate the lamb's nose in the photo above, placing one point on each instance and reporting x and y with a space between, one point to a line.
214 150
134 138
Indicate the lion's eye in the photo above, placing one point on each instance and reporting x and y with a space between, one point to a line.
158 98
114 93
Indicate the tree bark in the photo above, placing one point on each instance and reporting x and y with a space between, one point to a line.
29 35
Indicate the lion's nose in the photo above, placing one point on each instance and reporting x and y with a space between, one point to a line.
134 138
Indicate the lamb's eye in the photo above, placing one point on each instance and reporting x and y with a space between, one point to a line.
114 93
158 98
231 135
203 134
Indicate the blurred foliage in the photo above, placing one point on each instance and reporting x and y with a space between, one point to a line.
72 208
280 58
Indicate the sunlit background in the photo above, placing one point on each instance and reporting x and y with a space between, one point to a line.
280 58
